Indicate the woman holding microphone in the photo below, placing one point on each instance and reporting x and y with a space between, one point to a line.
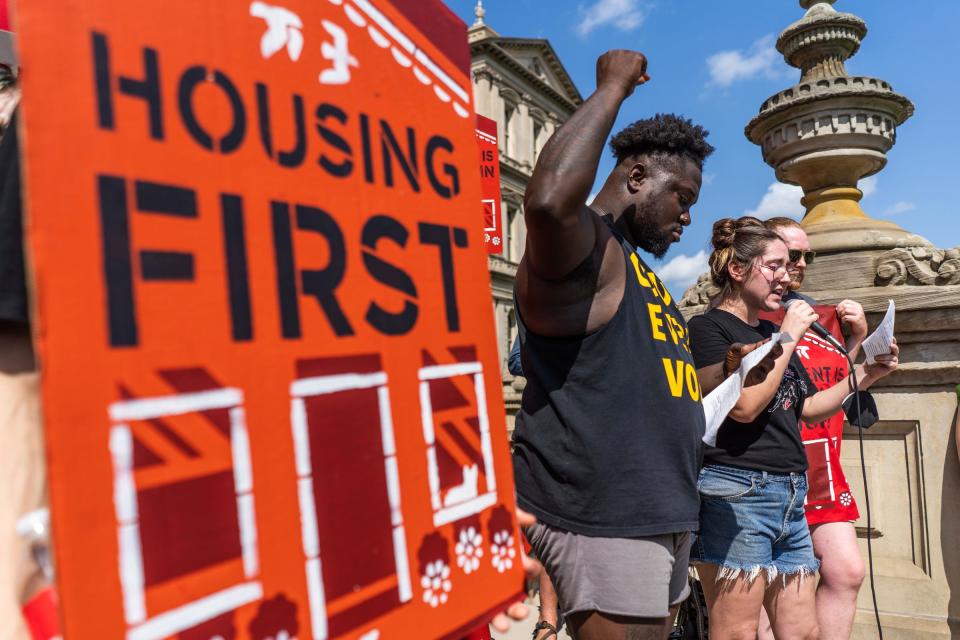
754 547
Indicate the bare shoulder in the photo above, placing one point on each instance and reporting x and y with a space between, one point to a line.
582 301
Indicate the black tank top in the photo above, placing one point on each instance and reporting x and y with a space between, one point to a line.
608 438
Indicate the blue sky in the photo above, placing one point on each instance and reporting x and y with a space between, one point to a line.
913 46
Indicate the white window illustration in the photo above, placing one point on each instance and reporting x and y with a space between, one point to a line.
490 214
183 497
348 483
456 430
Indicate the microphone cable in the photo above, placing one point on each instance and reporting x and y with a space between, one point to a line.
866 493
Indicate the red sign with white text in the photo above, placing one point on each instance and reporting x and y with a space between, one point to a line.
490 184
270 378
829 498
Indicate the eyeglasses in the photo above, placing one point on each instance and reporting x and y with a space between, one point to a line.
778 271
794 255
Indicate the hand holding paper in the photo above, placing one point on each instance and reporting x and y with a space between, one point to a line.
738 352
879 342
718 403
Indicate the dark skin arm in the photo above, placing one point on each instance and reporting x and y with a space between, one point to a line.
571 278
711 377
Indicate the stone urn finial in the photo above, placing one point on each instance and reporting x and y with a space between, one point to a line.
479 12
831 129
820 42
807 4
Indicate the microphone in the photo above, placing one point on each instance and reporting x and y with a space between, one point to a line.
790 297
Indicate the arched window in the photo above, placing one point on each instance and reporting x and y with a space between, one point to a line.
537 69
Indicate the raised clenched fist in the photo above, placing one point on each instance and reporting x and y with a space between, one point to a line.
851 315
622 70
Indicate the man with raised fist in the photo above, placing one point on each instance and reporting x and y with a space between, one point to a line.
607 445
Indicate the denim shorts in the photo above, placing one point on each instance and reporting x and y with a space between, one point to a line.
753 522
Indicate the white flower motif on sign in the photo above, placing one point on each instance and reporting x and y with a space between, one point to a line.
502 551
339 54
496 241
469 550
846 498
436 583
283 30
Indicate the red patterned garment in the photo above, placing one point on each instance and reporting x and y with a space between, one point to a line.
829 498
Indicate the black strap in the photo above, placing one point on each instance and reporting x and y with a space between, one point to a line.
543 624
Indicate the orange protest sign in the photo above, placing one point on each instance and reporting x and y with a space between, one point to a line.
490 183
270 380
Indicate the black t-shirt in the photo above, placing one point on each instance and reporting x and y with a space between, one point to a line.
13 289
608 439
772 441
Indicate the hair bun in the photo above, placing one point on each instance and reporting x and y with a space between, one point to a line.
724 231
739 240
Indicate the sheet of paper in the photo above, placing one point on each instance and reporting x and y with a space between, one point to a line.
878 343
718 403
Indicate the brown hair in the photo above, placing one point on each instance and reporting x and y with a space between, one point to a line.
782 222
740 240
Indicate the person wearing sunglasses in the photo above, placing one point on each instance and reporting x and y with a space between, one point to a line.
830 507
753 548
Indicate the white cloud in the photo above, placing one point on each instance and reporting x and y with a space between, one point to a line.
625 15
779 200
708 179
682 271
899 207
868 186
761 59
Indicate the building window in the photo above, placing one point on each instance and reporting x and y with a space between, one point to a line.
537 142
511 329
511 251
538 69
509 119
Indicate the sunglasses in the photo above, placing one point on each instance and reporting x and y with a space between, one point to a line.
794 255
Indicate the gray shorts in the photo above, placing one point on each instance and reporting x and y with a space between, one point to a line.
636 577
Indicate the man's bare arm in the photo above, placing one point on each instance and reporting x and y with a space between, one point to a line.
710 377
560 232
